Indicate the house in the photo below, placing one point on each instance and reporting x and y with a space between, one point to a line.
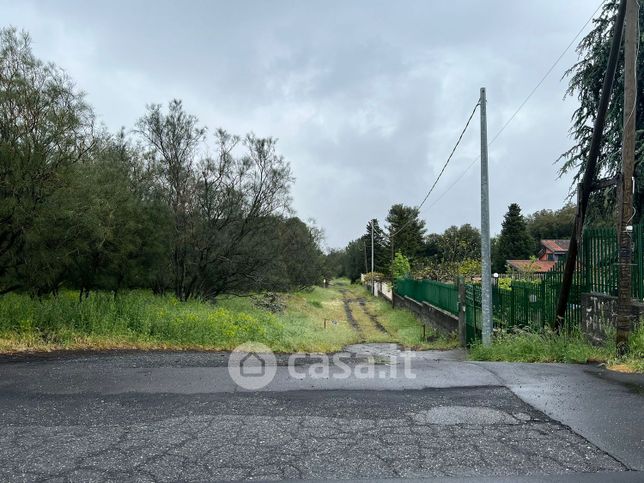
551 252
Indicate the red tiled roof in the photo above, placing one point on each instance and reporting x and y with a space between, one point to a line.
537 266
556 246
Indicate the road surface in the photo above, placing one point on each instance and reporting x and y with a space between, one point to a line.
167 416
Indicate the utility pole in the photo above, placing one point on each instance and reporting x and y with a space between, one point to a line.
486 278
589 174
625 230
393 282
373 281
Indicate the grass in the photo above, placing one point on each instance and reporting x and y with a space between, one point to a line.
140 320
526 346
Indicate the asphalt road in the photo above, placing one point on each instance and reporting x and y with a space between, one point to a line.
179 416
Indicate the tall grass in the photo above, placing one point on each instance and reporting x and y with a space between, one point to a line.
311 321
133 318
527 346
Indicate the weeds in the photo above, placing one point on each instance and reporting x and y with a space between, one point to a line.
528 346
138 319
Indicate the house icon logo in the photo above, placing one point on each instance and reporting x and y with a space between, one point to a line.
252 366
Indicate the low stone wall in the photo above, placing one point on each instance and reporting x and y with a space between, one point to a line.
428 314
598 313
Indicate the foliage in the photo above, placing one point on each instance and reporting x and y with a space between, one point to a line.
514 242
381 248
551 224
46 130
407 230
400 266
547 346
139 319
374 277
353 260
98 211
504 283
448 271
585 82
460 243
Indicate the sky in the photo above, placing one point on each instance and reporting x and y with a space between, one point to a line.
367 98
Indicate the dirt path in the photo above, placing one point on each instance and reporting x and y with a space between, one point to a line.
372 317
349 314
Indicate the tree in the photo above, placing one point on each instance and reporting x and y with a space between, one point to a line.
460 243
514 242
400 267
46 128
585 82
406 229
354 260
551 224
381 248
173 140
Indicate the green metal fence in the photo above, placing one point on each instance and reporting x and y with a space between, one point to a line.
532 304
441 295
599 258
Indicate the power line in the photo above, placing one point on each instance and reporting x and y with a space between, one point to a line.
525 101
458 141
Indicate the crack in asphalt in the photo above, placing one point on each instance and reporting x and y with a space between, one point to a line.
349 434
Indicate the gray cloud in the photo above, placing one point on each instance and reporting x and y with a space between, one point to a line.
367 98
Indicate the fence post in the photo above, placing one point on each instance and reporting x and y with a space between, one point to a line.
462 307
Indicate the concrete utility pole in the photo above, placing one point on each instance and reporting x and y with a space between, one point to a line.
625 192
373 282
486 279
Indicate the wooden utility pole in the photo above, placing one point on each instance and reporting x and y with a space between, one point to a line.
625 231
589 174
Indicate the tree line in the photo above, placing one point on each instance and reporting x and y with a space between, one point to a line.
455 252
167 205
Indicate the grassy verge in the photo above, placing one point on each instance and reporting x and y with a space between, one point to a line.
523 346
140 320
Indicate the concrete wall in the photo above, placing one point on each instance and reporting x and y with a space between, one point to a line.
598 314
428 314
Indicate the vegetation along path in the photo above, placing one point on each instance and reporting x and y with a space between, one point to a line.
285 322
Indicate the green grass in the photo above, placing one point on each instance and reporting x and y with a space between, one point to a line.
525 346
141 320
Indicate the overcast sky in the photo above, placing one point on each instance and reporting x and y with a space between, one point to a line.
366 98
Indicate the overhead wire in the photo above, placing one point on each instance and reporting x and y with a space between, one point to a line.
525 101
449 158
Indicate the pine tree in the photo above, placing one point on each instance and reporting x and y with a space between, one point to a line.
585 83
515 242
381 248
409 230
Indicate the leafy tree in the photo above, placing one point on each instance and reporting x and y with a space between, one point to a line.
407 229
299 254
514 242
354 260
551 224
460 243
400 266
431 247
585 82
